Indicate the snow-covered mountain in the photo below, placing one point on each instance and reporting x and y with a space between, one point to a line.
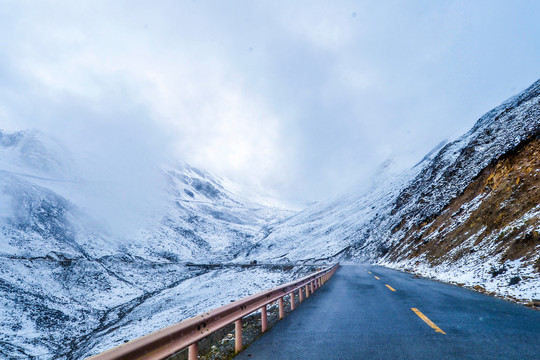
44 210
468 212
70 285
74 283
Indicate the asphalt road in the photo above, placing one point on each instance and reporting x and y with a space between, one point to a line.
357 316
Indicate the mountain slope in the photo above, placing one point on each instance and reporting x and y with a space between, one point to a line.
70 284
402 220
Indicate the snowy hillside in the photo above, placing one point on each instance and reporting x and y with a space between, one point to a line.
394 219
87 265
44 197
69 283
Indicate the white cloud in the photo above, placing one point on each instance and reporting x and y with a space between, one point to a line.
322 24
293 98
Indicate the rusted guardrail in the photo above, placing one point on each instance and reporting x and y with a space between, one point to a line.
170 340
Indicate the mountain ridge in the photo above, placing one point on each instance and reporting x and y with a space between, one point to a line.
69 286
467 213
371 226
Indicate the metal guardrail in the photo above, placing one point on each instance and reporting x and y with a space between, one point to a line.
186 334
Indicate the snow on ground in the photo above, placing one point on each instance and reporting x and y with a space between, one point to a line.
473 274
68 278
190 298
368 224
71 288
482 267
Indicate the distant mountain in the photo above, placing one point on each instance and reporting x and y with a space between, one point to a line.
69 285
469 212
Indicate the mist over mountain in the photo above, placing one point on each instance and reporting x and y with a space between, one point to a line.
69 282
90 261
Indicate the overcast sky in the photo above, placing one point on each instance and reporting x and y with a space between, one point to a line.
298 99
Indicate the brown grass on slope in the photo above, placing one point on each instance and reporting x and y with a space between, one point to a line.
501 194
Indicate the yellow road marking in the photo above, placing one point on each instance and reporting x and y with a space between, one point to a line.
376 277
391 288
369 272
427 321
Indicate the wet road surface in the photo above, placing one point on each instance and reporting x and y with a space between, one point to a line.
370 312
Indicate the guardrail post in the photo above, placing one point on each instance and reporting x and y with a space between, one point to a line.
193 352
301 294
292 301
238 336
307 291
281 309
264 319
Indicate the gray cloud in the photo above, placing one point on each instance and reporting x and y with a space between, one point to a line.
299 100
